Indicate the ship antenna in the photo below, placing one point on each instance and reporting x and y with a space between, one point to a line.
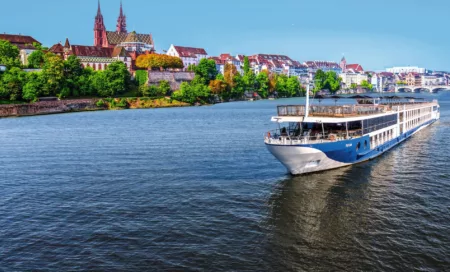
307 100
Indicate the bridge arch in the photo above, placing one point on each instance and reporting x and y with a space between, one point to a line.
404 89
418 89
440 88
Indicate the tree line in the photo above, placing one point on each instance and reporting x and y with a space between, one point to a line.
209 83
57 77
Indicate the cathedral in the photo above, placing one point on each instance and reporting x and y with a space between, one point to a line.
110 39
109 46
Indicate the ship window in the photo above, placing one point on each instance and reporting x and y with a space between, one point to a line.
365 144
358 146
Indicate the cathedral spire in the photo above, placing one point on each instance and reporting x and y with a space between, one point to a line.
99 11
99 27
121 21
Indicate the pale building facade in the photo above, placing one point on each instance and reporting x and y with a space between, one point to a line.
189 55
406 70
352 78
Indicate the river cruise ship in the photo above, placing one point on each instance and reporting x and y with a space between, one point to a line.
317 138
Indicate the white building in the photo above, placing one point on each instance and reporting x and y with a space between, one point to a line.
24 43
430 80
352 78
406 70
189 55
382 81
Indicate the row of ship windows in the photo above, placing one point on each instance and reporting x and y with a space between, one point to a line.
382 138
374 124
418 112
415 122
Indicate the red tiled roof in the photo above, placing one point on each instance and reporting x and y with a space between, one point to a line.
18 39
23 42
322 64
218 60
119 51
240 58
91 51
355 67
386 74
57 48
190 52
225 56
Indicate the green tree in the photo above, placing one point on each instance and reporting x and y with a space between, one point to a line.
366 85
150 91
293 86
191 68
239 86
53 73
206 69
36 59
85 83
164 88
72 73
319 80
12 82
220 77
117 79
192 92
32 87
141 77
9 54
333 82
249 79
99 83
246 65
353 86
327 81
263 84
281 86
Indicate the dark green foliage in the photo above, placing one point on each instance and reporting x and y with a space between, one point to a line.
164 88
193 92
36 59
327 81
366 85
206 69
100 103
246 65
262 81
141 77
9 54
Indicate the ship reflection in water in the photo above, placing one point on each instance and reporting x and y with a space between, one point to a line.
343 219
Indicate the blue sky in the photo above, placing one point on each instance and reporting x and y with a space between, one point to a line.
376 34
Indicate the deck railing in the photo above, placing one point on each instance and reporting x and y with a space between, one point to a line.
331 111
347 110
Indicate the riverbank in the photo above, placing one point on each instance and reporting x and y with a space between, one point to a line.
79 105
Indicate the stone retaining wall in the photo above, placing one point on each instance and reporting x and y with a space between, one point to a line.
48 107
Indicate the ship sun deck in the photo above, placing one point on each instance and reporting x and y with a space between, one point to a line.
322 124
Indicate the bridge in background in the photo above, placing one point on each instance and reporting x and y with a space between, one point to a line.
424 88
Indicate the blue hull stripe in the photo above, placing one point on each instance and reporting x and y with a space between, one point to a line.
346 151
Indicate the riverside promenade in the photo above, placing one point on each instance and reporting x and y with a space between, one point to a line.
48 107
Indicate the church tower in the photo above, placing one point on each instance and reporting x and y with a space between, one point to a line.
121 21
99 28
343 65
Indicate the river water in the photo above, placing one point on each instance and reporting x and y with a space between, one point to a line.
194 189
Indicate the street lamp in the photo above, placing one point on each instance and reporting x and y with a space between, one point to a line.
2 68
